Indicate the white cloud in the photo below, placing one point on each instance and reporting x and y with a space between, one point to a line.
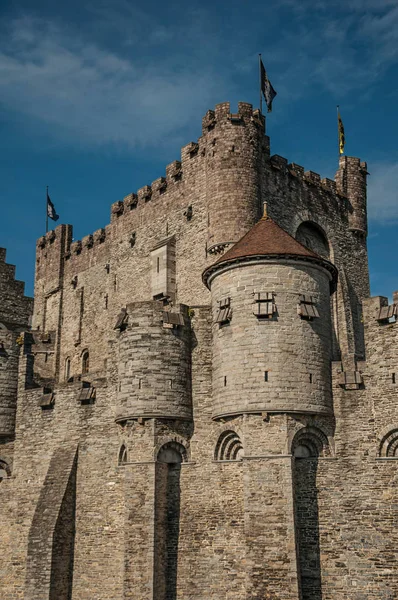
94 95
383 194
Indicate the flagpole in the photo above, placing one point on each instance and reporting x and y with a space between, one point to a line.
47 210
259 74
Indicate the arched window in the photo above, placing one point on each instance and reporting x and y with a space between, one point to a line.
229 447
310 442
67 369
123 457
85 362
172 453
314 238
389 444
5 470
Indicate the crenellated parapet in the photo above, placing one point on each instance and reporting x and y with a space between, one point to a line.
279 163
15 313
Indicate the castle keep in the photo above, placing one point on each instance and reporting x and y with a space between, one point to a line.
205 403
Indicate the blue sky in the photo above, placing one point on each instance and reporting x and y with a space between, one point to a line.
97 97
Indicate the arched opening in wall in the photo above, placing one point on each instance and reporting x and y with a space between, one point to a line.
5 470
123 455
389 444
308 445
67 369
313 237
85 362
229 447
167 519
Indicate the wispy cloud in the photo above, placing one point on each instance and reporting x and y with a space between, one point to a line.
137 78
383 194
93 94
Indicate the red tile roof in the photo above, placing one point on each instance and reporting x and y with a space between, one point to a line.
267 238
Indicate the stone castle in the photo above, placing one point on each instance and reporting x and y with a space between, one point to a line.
203 403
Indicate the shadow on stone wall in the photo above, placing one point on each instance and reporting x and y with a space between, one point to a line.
307 527
167 523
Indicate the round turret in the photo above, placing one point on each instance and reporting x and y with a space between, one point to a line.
235 149
154 363
271 326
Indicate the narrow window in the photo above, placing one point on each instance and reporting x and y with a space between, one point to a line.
123 455
393 378
266 376
85 362
225 381
224 314
106 301
310 376
67 369
157 264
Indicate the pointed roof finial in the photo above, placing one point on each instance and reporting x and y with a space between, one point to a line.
265 210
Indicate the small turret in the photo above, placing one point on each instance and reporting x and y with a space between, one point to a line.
351 182
271 326
154 363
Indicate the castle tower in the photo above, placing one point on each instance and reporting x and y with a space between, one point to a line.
154 363
272 326
351 182
15 311
235 149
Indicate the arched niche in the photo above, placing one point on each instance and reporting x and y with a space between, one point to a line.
313 237
229 446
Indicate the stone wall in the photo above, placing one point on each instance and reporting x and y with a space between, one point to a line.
138 471
275 363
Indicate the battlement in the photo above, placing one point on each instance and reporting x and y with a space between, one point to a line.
222 114
279 163
15 308
377 310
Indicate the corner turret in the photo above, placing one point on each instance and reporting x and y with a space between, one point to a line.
351 182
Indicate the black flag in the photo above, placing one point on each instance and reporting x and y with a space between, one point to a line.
266 88
51 209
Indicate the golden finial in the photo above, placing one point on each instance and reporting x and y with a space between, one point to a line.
265 212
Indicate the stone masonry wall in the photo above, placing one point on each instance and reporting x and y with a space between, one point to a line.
281 363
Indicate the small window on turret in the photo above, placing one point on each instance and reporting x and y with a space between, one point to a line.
265 307
307 309
224 314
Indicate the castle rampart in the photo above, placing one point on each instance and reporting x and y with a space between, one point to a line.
206 399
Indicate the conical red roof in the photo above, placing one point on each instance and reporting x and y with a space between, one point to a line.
267 238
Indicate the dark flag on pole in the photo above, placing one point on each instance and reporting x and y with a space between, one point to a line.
51 209
341 132
266 87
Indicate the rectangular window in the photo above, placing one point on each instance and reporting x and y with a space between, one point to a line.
224 314
307 308
264 305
